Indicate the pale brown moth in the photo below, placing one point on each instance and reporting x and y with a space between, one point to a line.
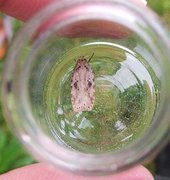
83 86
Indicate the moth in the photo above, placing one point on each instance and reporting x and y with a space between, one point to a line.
83 86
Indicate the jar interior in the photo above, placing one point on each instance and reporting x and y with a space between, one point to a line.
127 85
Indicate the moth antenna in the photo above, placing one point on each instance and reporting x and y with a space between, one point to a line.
91 57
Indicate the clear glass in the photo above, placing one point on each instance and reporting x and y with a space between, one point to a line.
130 119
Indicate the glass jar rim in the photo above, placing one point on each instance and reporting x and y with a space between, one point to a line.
57 155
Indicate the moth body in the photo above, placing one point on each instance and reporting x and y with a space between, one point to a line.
82 86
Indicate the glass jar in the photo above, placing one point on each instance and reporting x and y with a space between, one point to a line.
131 63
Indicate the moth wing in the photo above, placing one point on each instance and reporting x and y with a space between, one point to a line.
82 89
90 83
74 86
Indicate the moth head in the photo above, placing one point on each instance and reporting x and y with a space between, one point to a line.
82 62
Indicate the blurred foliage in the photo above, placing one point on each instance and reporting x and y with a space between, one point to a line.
162 8
12 154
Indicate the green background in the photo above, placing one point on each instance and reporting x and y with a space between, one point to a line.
12 154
